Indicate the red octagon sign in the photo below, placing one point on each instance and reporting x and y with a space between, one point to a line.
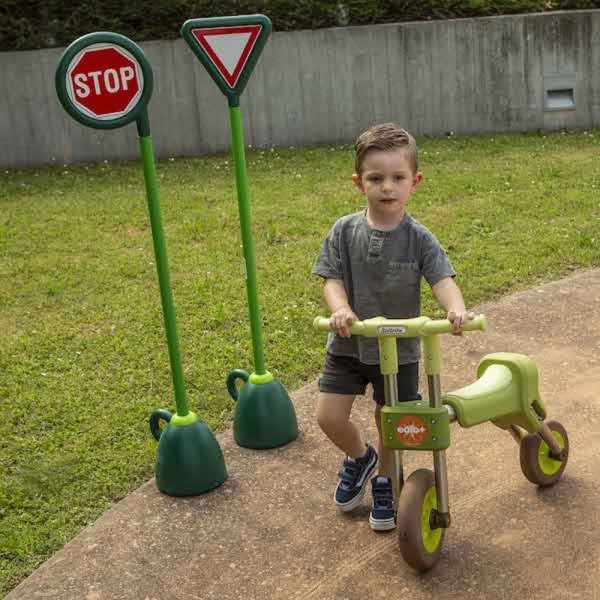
104 81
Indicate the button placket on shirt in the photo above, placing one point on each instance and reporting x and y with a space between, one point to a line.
375 250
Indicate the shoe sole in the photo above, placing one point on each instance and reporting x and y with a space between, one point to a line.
352 504
386 525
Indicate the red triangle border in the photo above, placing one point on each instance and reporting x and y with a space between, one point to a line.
201 34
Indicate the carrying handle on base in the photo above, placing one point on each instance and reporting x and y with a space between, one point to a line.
155 417
231 379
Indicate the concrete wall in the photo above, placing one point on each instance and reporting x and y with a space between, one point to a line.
466 76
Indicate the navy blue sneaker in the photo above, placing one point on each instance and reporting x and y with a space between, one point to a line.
382 516
353 479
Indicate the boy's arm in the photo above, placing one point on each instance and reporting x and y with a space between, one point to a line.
449 296
342 316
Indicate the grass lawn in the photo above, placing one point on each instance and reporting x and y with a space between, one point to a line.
83 357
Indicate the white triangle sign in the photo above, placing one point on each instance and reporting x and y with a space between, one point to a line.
228 48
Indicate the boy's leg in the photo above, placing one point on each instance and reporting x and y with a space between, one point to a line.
340 382
333 417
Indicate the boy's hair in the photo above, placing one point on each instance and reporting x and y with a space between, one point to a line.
386 136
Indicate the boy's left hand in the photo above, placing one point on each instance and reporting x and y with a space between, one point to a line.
458 318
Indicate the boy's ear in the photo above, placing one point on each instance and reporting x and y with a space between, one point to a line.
417 179
358 182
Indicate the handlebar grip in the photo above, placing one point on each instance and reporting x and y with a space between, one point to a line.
479 323
323 324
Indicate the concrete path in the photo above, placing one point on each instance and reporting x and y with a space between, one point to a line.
271 531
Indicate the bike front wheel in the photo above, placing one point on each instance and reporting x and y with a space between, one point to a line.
420 542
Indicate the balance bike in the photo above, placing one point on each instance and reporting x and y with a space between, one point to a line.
505 393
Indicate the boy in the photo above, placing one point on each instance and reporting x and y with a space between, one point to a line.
372 262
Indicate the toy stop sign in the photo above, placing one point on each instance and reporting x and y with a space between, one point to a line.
103 80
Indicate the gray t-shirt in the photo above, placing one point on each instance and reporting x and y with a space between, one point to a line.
381 272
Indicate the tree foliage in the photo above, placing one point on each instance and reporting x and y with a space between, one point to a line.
26 25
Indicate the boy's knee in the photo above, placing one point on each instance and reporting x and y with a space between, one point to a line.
327 420
330 418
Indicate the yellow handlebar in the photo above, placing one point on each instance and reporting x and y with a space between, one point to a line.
478 323
404 328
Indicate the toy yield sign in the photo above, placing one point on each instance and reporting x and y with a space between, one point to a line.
104 80
228 47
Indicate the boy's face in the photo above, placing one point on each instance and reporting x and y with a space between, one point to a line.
387 180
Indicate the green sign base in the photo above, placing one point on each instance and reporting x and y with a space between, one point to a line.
264 415
189 460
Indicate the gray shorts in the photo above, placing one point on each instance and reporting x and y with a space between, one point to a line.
347 375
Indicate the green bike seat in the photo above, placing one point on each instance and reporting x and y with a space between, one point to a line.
505 393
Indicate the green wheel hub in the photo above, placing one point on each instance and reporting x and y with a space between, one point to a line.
431 537
549 465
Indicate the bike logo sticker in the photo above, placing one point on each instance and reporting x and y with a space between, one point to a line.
387 330
411 430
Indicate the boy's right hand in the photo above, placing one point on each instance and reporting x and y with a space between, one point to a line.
341 320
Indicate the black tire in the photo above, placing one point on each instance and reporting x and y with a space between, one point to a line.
420 548
536 463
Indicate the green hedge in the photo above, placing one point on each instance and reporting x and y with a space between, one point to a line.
42 24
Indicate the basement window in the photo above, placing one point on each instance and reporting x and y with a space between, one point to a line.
563 99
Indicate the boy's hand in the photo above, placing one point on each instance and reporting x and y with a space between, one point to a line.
458 318
341 320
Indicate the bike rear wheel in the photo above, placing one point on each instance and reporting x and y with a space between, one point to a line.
537 464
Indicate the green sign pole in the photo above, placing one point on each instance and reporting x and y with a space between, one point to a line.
104 80
162 266
241 179
229 47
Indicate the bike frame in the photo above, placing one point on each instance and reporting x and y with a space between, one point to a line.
389 368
